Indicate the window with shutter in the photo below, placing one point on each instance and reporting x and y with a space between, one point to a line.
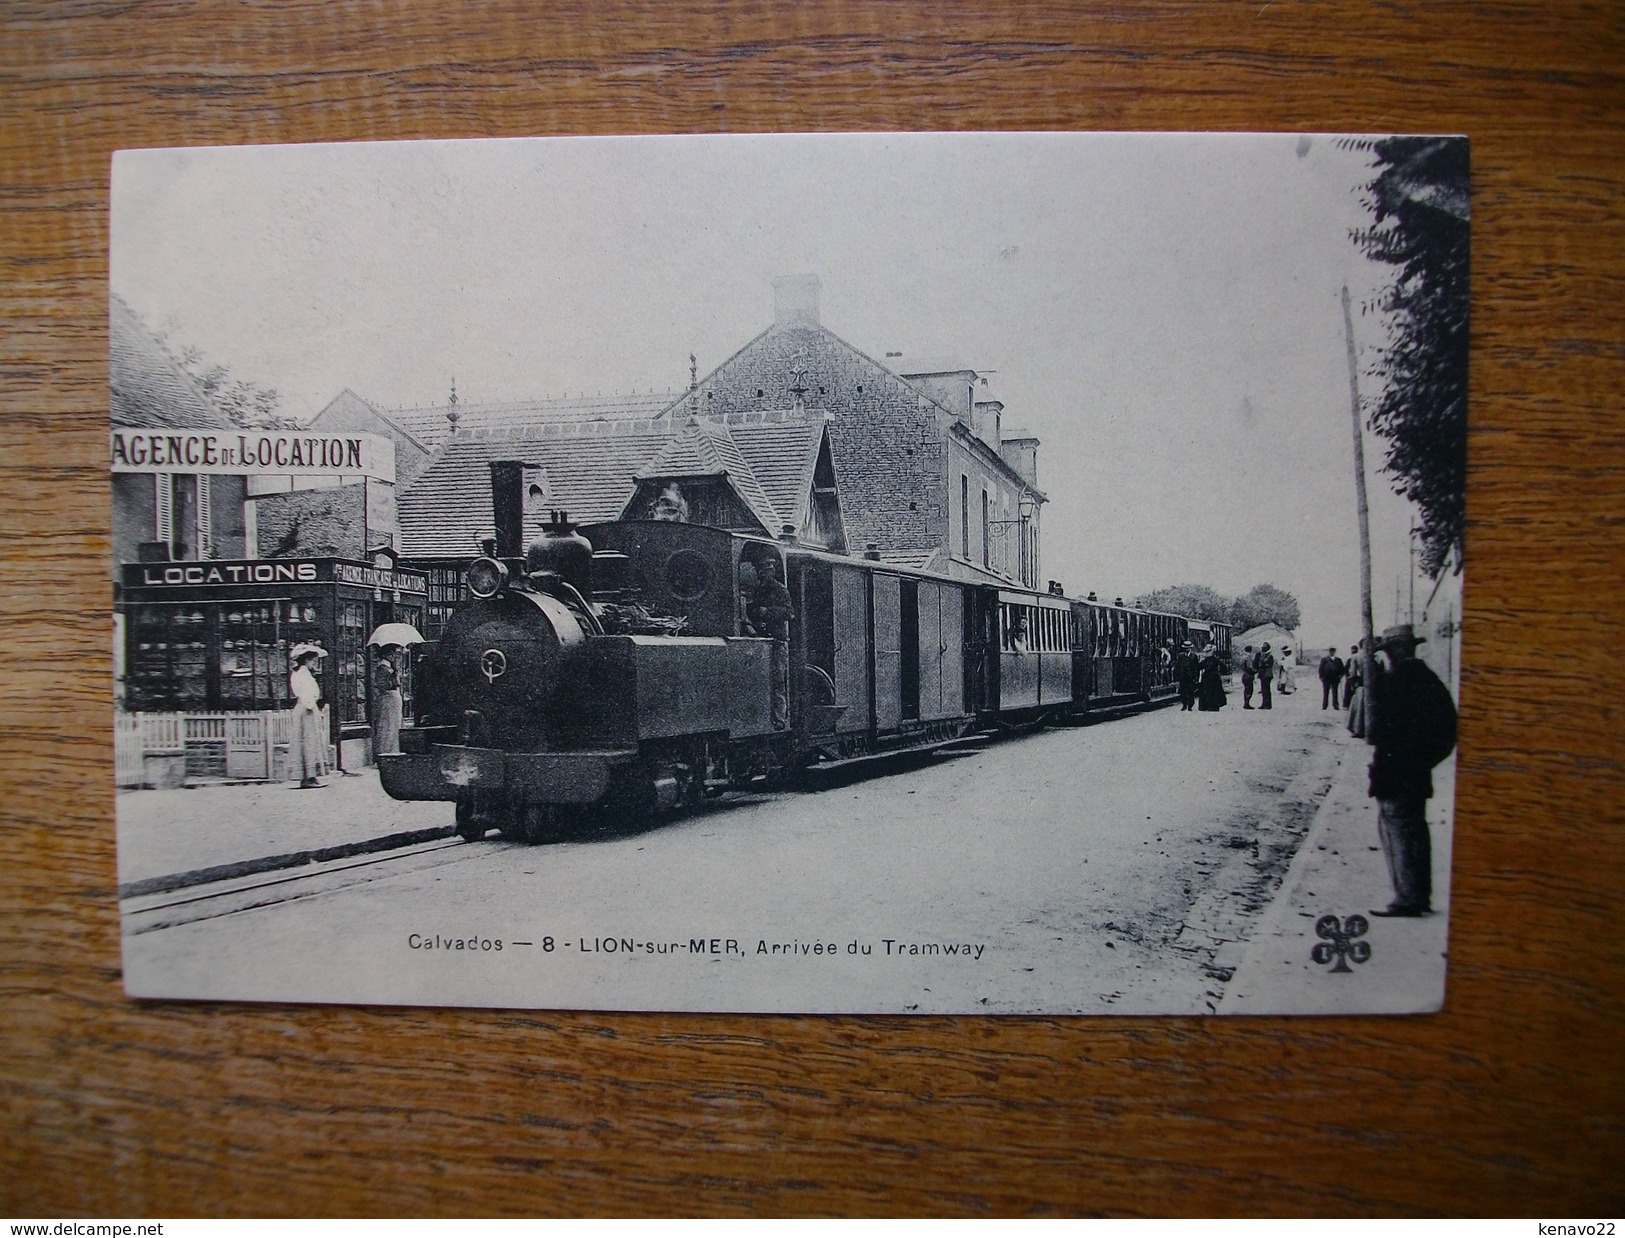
205 525
164 488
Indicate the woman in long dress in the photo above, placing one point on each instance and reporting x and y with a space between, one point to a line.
1210 691
309 744
1287 681
386 682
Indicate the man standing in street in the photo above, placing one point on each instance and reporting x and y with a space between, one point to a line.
1413 728
1331 674
1189 670
1247 673
1266 674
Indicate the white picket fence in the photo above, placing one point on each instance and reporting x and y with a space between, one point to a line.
170 750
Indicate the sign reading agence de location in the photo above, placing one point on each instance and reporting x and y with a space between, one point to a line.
295 453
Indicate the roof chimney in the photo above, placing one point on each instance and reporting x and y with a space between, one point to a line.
795 301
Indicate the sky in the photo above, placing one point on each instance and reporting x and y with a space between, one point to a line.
1162 311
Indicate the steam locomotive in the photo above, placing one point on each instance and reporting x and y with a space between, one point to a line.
623 669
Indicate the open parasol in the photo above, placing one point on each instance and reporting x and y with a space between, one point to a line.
402 634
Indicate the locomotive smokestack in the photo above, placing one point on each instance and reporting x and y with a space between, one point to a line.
508 507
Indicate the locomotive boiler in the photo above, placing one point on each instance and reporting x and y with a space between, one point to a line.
573 681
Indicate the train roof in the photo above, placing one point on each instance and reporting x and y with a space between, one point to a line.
804 551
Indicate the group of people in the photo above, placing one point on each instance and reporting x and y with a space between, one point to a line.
1262 670
1337 672
1200 678
308 752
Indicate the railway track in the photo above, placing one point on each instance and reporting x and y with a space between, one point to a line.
202 898
150 913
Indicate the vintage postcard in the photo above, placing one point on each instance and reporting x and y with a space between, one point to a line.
966 573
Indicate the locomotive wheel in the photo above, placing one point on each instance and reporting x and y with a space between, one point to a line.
534 823
630 804
470 827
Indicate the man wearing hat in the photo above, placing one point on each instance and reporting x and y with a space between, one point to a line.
768 611
309 743
1266 676
1355 666
1332 671
1190 673
1412 730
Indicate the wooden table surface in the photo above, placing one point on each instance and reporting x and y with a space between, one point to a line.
1509 1102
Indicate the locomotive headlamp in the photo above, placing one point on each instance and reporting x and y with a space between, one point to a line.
485 577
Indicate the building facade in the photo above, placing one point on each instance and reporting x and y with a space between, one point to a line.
182 513
206 606
927 474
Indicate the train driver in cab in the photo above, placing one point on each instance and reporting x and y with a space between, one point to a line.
767 612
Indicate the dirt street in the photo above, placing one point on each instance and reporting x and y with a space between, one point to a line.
1117 867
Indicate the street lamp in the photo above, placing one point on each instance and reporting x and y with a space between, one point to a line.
1026 505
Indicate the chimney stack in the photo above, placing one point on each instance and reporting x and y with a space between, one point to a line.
795 301
508 507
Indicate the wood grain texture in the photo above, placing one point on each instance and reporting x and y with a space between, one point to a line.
1510 1102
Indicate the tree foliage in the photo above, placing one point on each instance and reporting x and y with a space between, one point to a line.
1264 604
1192 601
1260 604
248 405
1418 199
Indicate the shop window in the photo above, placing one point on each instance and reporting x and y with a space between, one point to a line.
252 658
350 658
446 594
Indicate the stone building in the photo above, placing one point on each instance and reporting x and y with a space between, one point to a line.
348 517
926 472
798 430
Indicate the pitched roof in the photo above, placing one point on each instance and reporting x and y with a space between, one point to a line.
884 429
590 471
593 468
347 409
782 454
430 424
146 386
705 448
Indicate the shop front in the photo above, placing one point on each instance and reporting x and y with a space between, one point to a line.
213 637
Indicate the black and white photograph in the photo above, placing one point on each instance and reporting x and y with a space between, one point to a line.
999 573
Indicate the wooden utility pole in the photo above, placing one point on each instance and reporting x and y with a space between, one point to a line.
1367 654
